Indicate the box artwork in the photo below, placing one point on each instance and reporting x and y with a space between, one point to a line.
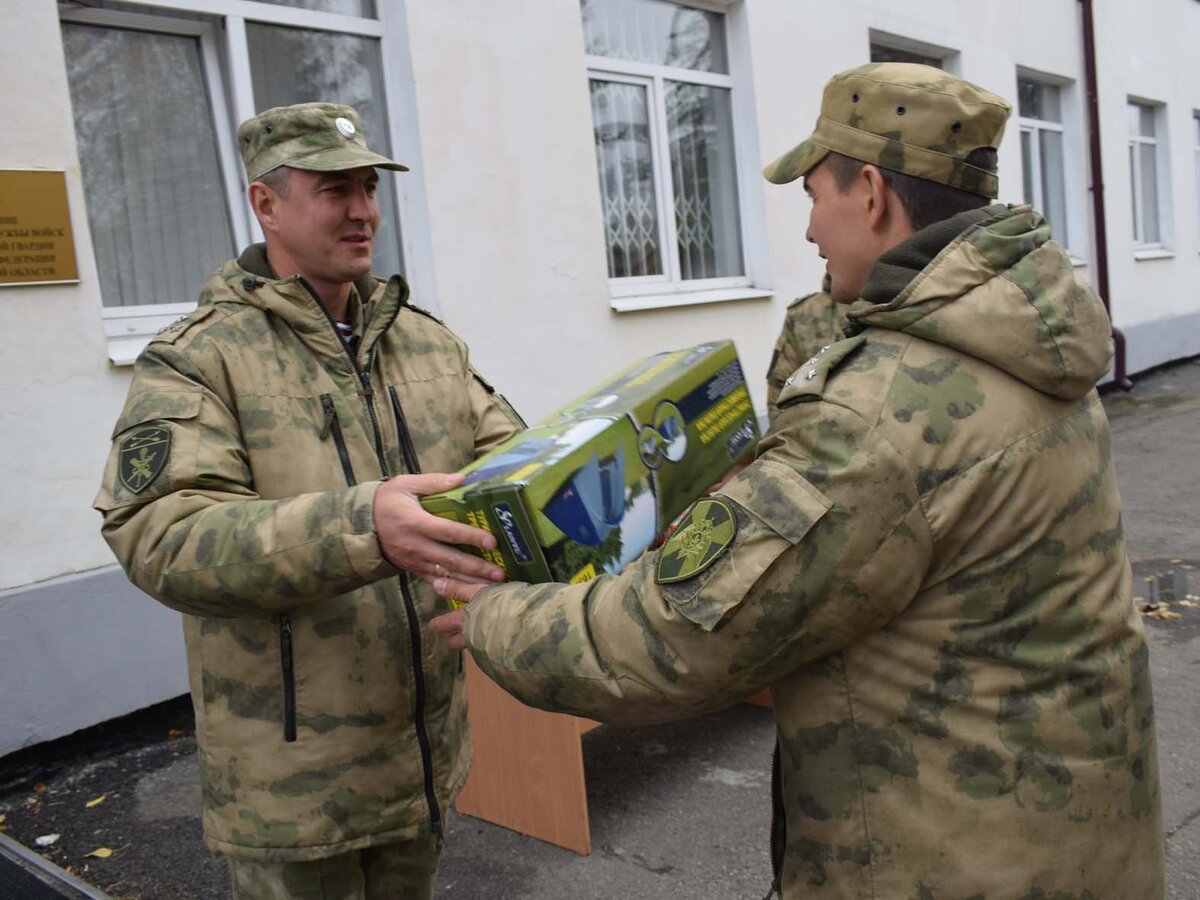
588 489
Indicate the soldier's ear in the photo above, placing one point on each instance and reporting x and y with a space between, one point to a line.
264 202
886 214
874 193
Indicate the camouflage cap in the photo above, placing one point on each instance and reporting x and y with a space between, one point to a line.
909 118
319 137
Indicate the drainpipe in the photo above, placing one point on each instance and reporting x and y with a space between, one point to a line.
1098 219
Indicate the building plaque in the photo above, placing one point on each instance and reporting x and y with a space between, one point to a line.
36 244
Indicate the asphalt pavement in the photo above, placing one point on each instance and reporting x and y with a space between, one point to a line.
676 811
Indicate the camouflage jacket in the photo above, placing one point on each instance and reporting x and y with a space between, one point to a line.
811 322
926 564
239 491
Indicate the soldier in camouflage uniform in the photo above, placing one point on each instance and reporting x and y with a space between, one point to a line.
263 481
811 322
925 562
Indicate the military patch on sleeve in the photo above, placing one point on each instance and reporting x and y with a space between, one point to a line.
704 534
142 455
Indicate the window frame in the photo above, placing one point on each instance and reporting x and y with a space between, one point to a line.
668 289
1159 143
1196 168
1074 240
220 27
128 328
950 58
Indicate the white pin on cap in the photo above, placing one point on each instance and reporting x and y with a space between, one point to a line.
345 126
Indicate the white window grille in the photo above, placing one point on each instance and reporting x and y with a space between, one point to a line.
663 107
157 91
1146 174
1040 119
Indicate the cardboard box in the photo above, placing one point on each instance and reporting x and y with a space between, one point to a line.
588 489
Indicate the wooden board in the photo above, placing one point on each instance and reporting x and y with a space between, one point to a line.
527 773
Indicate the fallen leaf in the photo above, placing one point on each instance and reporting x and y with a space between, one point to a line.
100 853
1 818
39 788
46 839
95 802
174 733
32 801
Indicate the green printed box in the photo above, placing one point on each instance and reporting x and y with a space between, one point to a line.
588 489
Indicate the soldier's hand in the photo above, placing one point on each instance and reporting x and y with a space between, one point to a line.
420 542
451 624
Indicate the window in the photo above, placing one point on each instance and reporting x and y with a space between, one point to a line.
1147 175
158 202
888 47
663 111
157 96
1040 119
883 54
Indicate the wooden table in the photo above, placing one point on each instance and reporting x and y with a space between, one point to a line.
528 768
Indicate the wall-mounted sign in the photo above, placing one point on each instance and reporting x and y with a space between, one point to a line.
36 245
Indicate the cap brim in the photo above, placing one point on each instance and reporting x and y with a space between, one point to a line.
796 162
339 159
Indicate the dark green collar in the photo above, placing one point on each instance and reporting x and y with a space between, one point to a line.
254 261
898 266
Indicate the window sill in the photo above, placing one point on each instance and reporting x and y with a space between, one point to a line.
688 298
128 330
1153 253
1077 262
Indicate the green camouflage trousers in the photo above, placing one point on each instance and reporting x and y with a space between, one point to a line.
397 871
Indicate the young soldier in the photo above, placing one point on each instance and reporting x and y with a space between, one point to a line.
925 562
263 481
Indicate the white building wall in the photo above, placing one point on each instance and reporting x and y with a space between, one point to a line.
1151 55
515 214
504 220
58 394
74 651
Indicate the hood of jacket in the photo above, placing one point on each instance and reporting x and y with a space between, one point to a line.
992 284
243 280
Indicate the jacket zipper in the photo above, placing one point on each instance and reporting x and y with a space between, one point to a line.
407 449
410 609
334 426
414 634
363 375
778 827
289 677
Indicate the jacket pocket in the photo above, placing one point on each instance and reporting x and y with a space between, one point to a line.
408 451
287 666
333 427
154 448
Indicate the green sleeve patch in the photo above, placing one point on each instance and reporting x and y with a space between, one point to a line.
142 456
705 533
